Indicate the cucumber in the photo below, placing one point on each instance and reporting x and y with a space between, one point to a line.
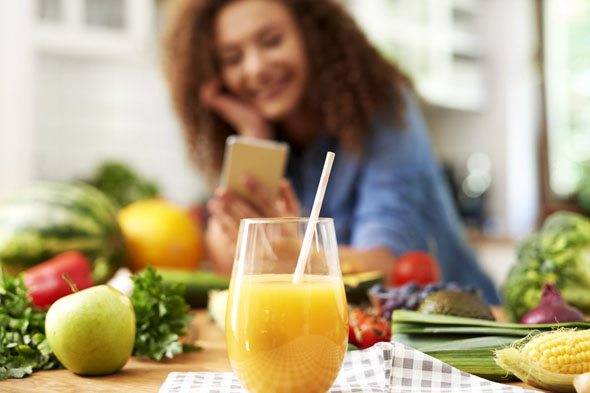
198 283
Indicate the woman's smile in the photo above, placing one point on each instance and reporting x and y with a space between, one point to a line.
272 89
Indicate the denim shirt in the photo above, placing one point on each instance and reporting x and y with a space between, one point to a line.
393 196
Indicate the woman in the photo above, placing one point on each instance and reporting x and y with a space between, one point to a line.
301 71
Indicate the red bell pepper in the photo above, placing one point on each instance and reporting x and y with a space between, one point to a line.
45 283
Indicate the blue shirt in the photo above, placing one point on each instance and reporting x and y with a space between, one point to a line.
393 196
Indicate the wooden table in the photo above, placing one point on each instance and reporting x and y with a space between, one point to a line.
138 375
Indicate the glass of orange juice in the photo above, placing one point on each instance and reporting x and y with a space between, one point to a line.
283 335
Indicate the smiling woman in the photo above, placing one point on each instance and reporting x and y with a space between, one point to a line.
301 71
262 60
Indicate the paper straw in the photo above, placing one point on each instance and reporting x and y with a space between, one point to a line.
313 217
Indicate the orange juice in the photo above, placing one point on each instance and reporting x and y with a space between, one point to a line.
286 337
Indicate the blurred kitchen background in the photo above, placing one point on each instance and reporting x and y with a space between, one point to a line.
505 86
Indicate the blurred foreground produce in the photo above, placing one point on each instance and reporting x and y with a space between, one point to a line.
23 347
465 343
123 185
45 282
48 218
550 360
197 283
560 254
160 234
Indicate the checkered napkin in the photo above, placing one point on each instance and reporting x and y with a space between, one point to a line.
383 368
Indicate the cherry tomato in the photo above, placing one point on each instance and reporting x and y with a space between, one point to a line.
366 330
370 337
417 266
352 336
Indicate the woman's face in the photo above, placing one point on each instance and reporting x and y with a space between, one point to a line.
262 56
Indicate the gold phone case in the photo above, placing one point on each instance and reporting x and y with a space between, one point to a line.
263 159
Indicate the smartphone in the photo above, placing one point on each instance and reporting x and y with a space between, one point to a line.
263 159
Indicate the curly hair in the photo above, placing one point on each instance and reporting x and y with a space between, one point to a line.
352 81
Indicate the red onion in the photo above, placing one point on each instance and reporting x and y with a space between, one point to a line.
552 308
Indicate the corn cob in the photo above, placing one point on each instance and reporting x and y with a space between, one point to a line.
550 360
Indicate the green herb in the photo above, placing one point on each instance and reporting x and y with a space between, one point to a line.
161 316
23 347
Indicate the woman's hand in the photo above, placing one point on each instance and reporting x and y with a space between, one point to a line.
243 117
227 209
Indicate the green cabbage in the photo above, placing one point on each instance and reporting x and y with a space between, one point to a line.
558 253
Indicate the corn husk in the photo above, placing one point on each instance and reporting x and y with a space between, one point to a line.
531 371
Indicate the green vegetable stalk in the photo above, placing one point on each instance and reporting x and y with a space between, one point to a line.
23 347
468 344
161 315
560 254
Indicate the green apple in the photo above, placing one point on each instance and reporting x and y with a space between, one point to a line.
92 332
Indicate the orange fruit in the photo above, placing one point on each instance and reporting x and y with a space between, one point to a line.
160 234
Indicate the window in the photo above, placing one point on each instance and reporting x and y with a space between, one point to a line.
50 10
105 13
566 39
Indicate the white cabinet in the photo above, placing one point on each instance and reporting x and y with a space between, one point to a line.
95 28
436 42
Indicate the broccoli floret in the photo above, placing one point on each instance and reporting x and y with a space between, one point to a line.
560 254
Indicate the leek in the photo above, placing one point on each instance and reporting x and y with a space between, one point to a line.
467 344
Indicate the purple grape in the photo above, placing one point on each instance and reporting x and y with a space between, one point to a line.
393 291
412 302
409 288
393 303
387 315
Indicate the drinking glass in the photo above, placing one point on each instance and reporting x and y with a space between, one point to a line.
286 336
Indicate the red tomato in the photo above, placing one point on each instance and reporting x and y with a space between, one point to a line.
418 266
352 336
370 337
366 330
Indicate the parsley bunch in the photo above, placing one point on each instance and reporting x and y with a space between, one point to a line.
23 347
161 316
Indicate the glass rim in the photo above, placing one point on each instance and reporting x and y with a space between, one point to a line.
275 220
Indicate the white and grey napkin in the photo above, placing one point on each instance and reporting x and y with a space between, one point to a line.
383 368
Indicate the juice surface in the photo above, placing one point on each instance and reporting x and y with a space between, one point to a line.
285 337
